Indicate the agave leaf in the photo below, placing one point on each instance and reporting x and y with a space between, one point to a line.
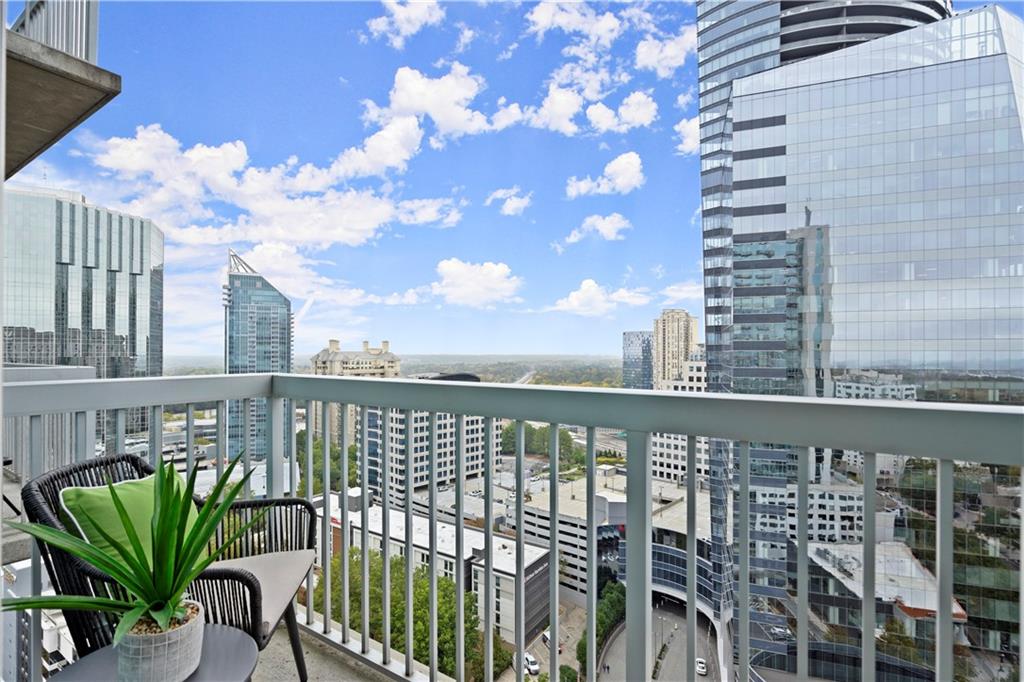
65 601
81 549
163 615
141 572
129 529
183 513
210 516
201 566
128 620
167 514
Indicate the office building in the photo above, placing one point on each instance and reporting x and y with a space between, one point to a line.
257 338
669 457
474 449
368 362
503 559
638 360
83 286
870 224
675 341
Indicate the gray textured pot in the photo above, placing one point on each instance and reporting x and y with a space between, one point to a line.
163 657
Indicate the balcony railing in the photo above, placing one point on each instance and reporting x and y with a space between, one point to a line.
947 433
71 26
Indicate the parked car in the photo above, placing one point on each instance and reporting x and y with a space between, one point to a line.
530 664
546 638
702 666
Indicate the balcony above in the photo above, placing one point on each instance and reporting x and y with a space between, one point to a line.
49 93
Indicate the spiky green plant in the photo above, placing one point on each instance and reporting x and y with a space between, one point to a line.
156 589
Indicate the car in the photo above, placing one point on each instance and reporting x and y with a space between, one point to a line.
702 667
546 638
531 666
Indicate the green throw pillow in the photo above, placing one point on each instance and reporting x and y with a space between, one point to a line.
137 498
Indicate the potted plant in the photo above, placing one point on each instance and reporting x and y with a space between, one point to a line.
160 632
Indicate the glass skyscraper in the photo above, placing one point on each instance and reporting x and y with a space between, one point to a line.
638 360
258 338
867 240
83 286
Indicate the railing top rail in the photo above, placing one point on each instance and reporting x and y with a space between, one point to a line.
980 433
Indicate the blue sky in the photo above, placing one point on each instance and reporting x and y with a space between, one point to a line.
460 178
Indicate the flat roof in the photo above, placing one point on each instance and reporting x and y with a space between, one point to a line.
572 495
899 576
673 516
504 553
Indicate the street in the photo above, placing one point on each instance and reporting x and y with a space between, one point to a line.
669 628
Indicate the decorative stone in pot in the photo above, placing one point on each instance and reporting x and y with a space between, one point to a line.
147 654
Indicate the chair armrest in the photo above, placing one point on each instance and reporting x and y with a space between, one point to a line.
289 524
231 596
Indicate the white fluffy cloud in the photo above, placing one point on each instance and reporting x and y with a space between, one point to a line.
665 56
557 112
593 300
405 19
287 203
686 98
574 18
608 227
513 202
688 130
478 285
622 175
637 110
445 100
683 291
466 36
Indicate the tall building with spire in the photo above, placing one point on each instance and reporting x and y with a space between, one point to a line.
257 338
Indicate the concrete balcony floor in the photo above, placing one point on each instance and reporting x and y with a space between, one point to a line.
323 663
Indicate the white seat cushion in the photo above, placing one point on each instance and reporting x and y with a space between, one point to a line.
280 574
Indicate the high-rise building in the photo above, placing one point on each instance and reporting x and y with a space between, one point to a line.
368 362
862 238
257 338
638 360
675 342
83 286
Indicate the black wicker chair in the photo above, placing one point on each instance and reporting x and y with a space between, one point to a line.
244 590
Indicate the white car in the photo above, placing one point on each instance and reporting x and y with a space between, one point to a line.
702 666
530 664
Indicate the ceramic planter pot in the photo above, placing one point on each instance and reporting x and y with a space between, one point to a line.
163 656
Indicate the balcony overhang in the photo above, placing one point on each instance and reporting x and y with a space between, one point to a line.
49 93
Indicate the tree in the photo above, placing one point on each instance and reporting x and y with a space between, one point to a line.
421 613
567 674
611 610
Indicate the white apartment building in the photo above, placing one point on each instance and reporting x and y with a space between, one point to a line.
503 557
473 447
368 362
835 513
872 385
675 342
668 450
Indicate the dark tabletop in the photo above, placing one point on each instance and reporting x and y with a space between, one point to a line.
229 655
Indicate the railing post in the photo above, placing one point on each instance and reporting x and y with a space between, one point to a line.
348 484
690 655
460 549
410 548
222 436
156 434
553 553
743 520
308 478
120 416
384 485
944 641
520 649
364 531
488 605
246 442
190 439
275 441
802 595
867 608
432 560
592 595
35 656
638 555
85 445
326 534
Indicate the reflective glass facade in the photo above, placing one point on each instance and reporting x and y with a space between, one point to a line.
638 360
259 339
83 285
877 250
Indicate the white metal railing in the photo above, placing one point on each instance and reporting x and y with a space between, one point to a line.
71 26
940 431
